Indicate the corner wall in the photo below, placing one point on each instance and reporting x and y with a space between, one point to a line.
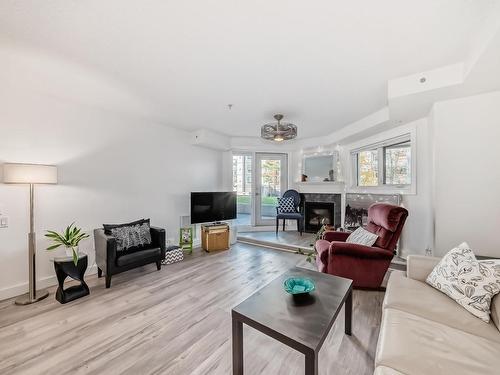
467 173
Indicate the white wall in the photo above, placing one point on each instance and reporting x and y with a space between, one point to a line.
113 167
418 233
467 173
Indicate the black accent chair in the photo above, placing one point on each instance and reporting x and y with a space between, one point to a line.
291 215
111 262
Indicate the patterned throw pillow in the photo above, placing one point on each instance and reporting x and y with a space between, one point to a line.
131 236
108 227
362 237
471 283
286 205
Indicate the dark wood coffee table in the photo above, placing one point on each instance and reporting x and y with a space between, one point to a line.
300 323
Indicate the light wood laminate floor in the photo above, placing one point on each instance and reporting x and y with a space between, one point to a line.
287 240
174 321
291 240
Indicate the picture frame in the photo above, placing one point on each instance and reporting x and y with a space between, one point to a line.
186 238
356 210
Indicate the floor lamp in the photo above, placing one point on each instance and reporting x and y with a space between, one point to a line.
30 174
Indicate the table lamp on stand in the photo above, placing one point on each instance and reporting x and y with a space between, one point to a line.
30 174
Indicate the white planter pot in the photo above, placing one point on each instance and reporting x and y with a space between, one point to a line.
69 251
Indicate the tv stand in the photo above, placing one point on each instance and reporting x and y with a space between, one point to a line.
215 236
215 224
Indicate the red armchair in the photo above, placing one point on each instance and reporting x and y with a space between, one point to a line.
365 265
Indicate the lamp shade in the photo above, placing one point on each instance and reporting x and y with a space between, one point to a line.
29 174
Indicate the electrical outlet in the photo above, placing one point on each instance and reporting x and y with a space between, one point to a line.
4 222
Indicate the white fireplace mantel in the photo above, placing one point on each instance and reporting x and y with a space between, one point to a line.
320 187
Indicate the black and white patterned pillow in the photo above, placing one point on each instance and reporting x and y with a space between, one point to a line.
471 283
286 205
131 236
173 254
141 234
108 227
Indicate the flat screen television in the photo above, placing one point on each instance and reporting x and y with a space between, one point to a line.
212 206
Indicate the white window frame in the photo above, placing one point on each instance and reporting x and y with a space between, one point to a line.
379 143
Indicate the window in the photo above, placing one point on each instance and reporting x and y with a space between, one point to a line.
397 164
368 168
385 164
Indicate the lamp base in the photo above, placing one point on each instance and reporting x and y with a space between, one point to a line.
26 300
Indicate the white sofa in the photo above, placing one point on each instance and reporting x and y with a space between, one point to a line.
425 332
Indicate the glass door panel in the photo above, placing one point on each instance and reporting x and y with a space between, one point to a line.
270 183
242 185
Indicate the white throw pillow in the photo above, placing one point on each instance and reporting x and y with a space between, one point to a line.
362 237
471 283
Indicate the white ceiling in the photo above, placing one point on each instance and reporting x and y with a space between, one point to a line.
324 64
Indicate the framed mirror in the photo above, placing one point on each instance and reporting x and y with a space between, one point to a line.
320 167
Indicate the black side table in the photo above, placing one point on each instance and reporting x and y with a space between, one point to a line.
65 267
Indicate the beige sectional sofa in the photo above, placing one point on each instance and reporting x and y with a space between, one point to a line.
425 332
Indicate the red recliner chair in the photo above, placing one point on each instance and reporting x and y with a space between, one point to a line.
365 265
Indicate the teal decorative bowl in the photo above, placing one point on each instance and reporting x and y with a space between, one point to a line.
298 285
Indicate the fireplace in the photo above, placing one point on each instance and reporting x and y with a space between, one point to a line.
318 213
318 207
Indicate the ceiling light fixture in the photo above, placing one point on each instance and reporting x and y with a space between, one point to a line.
278 131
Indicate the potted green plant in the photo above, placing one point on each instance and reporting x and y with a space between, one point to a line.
70 239
311 255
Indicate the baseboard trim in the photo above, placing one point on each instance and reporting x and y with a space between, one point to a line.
268 245
257 228
42 283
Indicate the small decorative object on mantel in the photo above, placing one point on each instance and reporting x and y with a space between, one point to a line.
186 239
331 175
70 239
173 254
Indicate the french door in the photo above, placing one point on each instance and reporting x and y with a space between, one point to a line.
271 181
